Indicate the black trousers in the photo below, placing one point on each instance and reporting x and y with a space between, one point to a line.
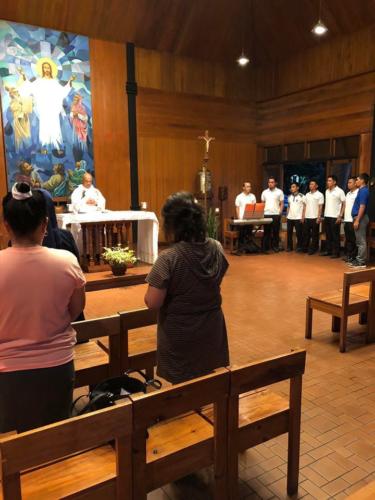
350 241
310 235
290 225
33 398
271 233
332 231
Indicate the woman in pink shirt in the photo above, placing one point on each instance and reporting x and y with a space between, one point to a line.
41 292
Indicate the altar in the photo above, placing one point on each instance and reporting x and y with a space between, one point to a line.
95 230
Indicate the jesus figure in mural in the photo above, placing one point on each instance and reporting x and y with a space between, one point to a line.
48 95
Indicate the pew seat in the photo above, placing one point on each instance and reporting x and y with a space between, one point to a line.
141 345
169 436
255 407
91 363
85 471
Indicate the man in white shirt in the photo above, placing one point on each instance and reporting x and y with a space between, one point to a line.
294 217
333 215
243 199
273 198
86 197
350 241
314 201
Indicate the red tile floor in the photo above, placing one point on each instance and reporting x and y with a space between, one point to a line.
264 304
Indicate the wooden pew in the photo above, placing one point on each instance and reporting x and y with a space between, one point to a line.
342 305
92 363
139 348
71 459
180 440
258 416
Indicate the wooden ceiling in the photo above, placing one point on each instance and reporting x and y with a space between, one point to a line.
204 29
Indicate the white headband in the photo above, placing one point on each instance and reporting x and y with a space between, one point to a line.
20 196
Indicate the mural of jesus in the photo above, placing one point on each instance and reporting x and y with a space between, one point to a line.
48 96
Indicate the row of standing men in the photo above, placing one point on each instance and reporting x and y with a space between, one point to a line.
305 213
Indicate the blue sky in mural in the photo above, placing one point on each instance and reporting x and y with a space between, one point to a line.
46 104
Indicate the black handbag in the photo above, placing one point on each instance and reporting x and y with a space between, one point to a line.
107 392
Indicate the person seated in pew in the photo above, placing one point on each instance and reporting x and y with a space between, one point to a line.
86 197
295 217
184 285
350 242
42 291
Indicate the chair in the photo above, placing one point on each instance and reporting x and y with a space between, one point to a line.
258 416
230 238
138 348
342 305
92 363
180 440
71 459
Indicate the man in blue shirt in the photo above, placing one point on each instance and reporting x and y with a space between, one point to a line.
361 220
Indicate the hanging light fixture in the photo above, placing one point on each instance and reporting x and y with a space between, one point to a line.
320 28
243 60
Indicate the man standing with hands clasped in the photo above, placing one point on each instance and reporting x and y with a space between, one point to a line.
273 198
361 220
333 215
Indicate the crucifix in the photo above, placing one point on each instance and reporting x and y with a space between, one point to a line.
206 137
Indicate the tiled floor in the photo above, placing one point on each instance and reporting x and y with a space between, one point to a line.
264 304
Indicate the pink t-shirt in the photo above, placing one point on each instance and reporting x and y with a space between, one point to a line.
36 285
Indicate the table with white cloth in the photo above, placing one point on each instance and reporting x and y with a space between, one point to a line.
95 230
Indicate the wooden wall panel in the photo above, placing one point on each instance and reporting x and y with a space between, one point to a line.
167 165
171 73
340 58
337 109
187 116
110 122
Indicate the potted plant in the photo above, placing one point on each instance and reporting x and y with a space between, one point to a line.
119 258
212 224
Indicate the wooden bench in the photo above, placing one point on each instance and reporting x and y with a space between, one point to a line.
257 414
342 305
92 363
71 459
180 440
139 348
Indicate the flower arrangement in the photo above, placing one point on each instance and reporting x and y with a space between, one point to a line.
118 256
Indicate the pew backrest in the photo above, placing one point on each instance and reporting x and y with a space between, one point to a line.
54 442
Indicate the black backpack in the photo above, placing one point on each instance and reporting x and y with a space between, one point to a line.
107 392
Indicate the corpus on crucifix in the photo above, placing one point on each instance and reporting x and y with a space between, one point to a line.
206 137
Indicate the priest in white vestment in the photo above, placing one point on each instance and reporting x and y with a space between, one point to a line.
87 198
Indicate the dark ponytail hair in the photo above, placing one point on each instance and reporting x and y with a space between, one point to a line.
184 218
24 216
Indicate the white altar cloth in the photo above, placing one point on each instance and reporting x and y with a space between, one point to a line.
148 228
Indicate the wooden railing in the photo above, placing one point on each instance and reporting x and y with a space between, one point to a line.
96 235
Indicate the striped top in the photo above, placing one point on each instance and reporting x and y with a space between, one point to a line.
191 336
